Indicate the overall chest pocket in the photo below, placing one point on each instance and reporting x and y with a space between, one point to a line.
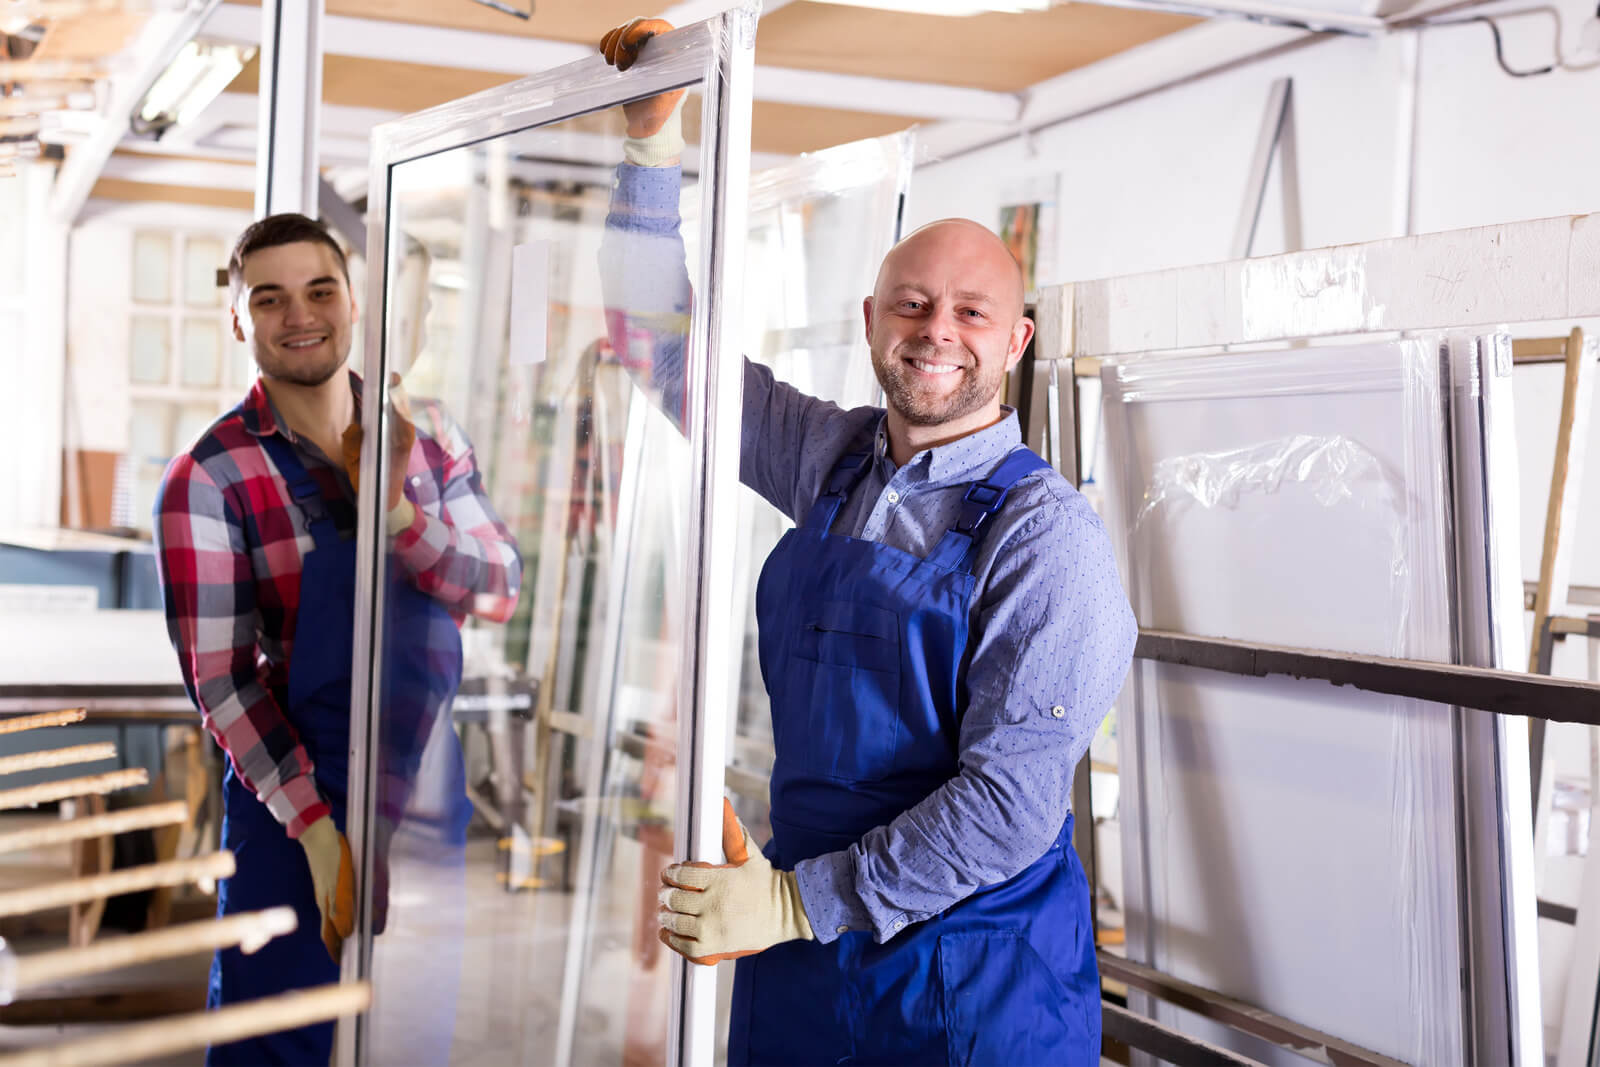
844 691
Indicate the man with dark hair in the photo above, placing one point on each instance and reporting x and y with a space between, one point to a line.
255 528
274 230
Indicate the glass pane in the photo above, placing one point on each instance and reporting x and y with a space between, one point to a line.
819 227
149 348
152 268
521 927
202 258
202 352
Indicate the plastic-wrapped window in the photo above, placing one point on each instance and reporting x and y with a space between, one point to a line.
1296 845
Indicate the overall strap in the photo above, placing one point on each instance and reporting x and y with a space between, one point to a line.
307 496
958 548
846 473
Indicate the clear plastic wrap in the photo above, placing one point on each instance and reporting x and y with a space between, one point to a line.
1292 497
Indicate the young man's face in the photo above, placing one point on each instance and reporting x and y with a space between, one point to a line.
296 311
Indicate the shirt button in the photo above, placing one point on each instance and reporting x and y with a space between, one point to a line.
899 924
416 479
1058 711
894 497
842 930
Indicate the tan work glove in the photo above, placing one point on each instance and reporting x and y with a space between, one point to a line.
713 913
655 127
333 880
402 436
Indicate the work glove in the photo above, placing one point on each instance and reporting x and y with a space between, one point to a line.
333 880
713 913
655 124
402 436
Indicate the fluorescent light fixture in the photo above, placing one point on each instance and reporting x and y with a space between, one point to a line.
199 72
950 7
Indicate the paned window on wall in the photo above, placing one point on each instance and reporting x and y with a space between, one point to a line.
184 366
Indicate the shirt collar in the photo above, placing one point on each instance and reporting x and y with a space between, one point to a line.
261 418
967 458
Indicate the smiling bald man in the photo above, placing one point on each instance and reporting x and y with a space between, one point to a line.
940 636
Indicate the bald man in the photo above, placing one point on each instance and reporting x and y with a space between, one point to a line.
940 635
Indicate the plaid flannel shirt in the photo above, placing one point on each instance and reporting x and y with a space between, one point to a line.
231 547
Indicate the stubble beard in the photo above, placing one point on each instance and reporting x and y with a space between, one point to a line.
274 366
973 392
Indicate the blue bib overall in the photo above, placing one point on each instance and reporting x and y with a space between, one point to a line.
862 648
423 670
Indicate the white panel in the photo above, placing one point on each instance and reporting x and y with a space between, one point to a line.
1295 498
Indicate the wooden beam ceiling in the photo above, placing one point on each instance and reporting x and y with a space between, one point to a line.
405 87
997 52
1006 53
144 192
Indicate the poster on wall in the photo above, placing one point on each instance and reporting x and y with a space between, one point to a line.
1028 209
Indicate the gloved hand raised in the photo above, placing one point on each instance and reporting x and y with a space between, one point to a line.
333 880
653 117
711 913
402 436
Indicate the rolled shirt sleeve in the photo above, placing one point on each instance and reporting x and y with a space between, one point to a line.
209 594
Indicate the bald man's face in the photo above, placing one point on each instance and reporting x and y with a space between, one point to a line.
945 324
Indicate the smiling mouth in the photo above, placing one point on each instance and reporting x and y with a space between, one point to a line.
933 368
304 342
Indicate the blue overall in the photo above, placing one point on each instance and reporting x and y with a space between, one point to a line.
861 647
423 661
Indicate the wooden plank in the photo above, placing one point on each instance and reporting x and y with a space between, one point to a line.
1539 349
145 192
221 1026
1566 477
117 822
42 719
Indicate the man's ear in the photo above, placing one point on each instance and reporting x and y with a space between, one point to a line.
355 312
238 330
866 314
1021 334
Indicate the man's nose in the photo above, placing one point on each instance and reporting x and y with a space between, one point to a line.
297 312
940 326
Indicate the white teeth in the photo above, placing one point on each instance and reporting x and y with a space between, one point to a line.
303 344
933 368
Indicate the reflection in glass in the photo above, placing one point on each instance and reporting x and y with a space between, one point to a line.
202 352
149 348
528 934
152 268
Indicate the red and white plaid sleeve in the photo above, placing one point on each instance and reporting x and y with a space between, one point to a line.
457 549
210 594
